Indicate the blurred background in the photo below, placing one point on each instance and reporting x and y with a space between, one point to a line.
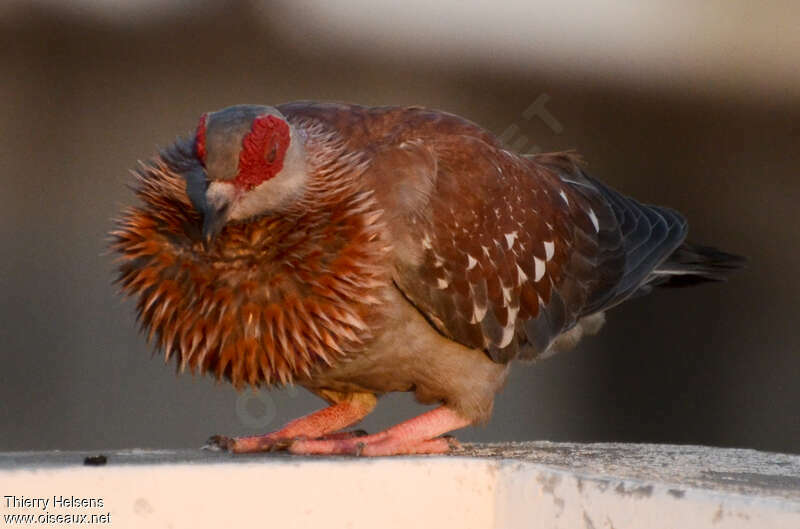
690 104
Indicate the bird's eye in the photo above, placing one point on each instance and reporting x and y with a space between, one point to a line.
273 152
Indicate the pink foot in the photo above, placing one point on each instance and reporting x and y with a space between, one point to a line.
415 436
319 425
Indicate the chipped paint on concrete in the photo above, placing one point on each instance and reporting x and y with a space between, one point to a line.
531 495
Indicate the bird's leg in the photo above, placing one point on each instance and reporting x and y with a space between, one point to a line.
344 411
414 436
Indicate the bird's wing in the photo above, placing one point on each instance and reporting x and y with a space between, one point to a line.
507 252
636 237
499 252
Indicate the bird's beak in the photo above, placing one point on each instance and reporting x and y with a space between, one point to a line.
214 220
214 217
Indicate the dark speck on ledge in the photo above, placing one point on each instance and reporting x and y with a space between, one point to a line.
95 461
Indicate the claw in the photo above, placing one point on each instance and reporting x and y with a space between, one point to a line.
359 449
452 442
217 443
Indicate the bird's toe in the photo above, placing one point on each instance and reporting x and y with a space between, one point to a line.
392 447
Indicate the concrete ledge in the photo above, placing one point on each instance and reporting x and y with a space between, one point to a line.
506 486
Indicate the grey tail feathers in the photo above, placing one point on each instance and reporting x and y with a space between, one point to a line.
691 264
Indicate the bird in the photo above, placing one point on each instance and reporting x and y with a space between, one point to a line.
357 251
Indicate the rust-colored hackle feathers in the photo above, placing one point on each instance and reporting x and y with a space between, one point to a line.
273 299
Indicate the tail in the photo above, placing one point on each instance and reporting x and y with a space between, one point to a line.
641 246
691 264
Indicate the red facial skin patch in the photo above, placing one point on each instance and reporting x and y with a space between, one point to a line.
200 139
263 151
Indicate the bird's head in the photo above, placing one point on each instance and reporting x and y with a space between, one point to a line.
251 162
